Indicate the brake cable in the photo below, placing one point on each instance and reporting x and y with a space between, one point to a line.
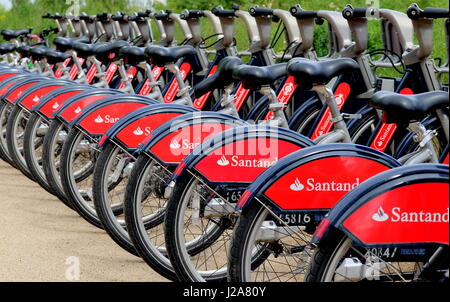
209 37
277 35
386 52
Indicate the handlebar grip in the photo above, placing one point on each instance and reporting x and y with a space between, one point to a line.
414 12
145 14
358 12
299 13
118 16
162 15
191 14
102 16
85 17
221 12
256 11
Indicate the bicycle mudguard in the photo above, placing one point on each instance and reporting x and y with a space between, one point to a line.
406 206
240 155
35 93
314 179
7 83
73 106
53 100
100 116
17 89
6 73
133 128
174 140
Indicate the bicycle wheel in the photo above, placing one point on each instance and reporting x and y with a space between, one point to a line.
5 110
144 213
33 149
111 177
197 234
15 132
339 260
51 154
362 129
78 158
304 121
286 248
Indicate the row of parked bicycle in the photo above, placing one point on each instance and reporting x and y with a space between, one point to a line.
291 167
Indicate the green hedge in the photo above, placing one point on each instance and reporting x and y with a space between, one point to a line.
25 13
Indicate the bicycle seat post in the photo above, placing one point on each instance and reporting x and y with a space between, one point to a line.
340 127
82 78
228 105
279 118
46 68
124 77
183 93
155 85
100 73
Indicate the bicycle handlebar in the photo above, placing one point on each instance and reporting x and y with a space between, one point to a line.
256 11
118 16
102 17
219 11
162 15
86 17
358 12
50 16
414 12
145 14
299 13
191 14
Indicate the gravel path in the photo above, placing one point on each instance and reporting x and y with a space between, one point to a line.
43 240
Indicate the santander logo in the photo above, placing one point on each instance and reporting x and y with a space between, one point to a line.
78 110
99 119
55 105
288 89
223 161
386 133
184 144
235 161
297 186
107 119
316 186
156 72
138 131
174 144
380 215
36 99
339 99
397 215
